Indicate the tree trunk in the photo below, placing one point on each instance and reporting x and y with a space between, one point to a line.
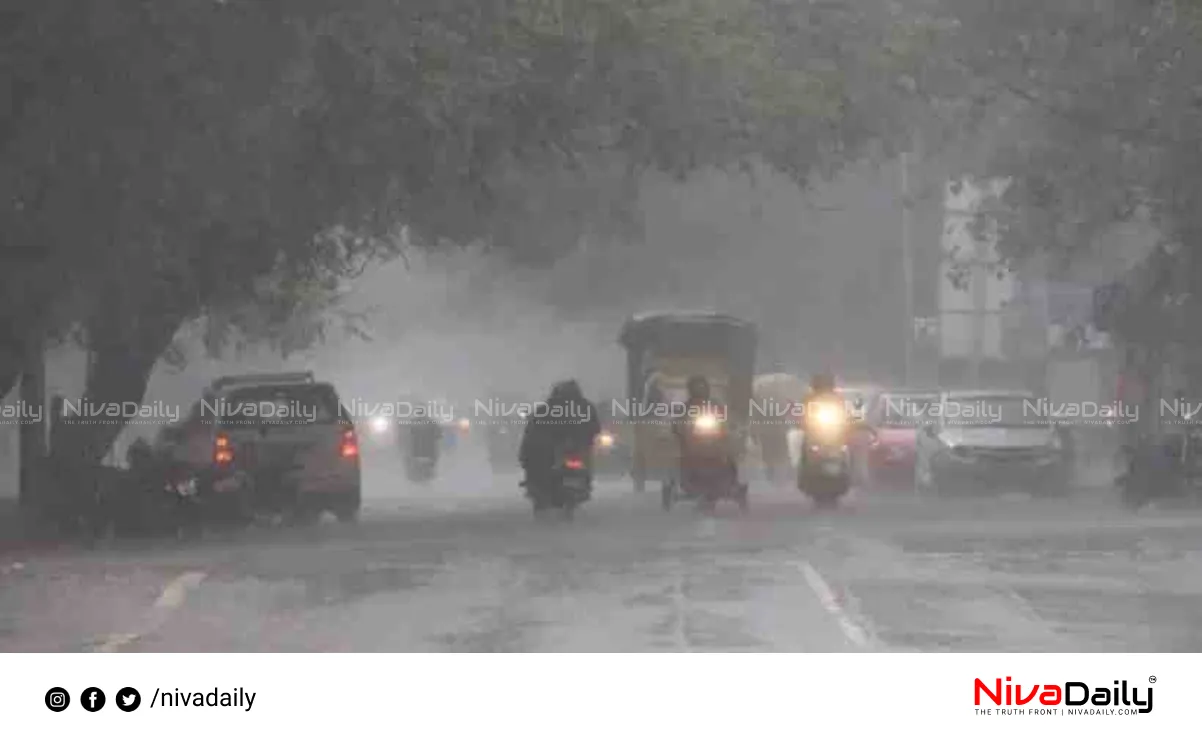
9 373
12 355
118 372
32 429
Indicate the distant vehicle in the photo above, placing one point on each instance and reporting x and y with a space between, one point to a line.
988 439
382 434
896 417
459 426
613 450
861 398
266 445
503 431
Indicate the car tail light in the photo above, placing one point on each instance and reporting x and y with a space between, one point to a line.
350 444
223 452
574 463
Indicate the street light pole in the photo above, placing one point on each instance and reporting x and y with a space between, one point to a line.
907 265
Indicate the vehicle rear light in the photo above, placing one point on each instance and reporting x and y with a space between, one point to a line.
350 444
223 453
574 463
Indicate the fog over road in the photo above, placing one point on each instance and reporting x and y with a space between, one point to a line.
463 567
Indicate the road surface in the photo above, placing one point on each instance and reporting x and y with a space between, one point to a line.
463 567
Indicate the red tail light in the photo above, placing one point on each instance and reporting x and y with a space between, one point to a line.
350 444
223 453
574 463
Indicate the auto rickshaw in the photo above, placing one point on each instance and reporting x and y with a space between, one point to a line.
504 427
663 351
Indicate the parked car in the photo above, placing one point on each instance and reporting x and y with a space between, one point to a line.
989 439
262 444
896 417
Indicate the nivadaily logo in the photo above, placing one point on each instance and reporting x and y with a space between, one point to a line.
1072 698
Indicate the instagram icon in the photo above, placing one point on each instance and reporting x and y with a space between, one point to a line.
57 699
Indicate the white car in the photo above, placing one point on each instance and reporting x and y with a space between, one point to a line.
286 422
990 439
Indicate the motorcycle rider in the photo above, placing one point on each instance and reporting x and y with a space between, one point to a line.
425 436
822 390
567 419
700 401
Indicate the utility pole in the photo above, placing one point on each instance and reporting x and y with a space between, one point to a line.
907 264
980 294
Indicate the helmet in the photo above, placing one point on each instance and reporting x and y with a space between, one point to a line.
698 386
568 389
823 382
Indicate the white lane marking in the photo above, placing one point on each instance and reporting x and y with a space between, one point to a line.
172 598
116 642
176 591
854 632
679 607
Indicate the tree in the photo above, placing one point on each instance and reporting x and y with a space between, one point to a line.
182 158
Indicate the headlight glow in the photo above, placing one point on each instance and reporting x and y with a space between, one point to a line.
706 423
463 424
605 440
828 417
380 424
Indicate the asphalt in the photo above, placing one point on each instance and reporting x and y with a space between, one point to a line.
462 566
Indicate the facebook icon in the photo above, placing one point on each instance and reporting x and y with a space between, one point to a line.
92 699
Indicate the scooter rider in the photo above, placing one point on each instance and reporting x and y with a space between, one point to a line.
425 436
822 392
822 408
566 418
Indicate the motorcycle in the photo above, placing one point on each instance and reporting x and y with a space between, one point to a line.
1162 469
708 473
182 506
421 452
825 468
420 468
567 485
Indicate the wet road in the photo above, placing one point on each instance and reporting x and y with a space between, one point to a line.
462 567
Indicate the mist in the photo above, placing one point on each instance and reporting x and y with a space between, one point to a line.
819 272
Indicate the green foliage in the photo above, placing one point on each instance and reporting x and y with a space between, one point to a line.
207 143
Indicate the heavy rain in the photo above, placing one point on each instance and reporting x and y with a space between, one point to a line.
511 327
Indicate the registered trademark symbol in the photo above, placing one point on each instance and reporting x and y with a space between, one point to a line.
1151 679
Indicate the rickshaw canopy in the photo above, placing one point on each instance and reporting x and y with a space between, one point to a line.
675 345
780 387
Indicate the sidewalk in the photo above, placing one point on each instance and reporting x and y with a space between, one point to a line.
10 522
14 537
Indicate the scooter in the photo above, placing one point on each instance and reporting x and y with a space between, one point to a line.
824 470
1162 469
420 468
568 485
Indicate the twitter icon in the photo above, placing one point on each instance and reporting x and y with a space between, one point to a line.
128 699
